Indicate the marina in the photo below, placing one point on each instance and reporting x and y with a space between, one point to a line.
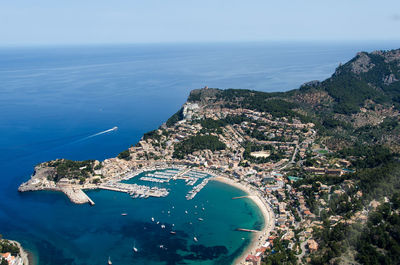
191 194
160 176
134 189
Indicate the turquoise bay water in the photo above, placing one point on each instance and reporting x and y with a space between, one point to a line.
51 98
88 235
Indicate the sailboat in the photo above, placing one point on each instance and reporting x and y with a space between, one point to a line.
134 247
109 261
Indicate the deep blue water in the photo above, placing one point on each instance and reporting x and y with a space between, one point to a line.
52 97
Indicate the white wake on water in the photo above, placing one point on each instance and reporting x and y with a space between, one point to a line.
97 134
103 132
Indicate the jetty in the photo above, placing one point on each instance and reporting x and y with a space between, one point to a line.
191 194
240 197
76 195
247 230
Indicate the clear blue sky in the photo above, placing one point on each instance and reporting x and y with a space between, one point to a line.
137 21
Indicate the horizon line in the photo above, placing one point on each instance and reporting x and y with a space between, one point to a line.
305 41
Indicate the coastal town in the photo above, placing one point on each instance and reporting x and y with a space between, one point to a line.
263 154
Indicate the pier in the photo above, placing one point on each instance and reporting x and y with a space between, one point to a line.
191 194
240 197
247 230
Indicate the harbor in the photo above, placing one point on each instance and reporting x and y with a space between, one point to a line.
160 176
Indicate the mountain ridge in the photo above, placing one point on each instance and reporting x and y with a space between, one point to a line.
362 92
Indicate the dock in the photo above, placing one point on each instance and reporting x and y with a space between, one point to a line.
191 194
247 230
240 197
134 189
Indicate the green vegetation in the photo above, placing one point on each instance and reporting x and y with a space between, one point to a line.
260 101
71 169
125 155
367 156
281 255
331 242
377 176
98 166
373 134
7 246
210 125
379 242
236 119
175 118
349 92
195 143
275 155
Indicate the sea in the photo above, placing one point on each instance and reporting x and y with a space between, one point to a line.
53 97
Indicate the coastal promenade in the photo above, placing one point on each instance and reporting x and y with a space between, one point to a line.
269 218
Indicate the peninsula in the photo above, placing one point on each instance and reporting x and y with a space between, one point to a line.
320 161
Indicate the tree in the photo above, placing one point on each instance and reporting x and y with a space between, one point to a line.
125 155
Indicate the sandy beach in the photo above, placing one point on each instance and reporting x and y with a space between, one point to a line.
269 218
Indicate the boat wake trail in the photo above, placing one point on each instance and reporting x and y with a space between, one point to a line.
43 146
103 132
96 134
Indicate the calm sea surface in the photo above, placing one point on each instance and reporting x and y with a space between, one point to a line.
53 97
